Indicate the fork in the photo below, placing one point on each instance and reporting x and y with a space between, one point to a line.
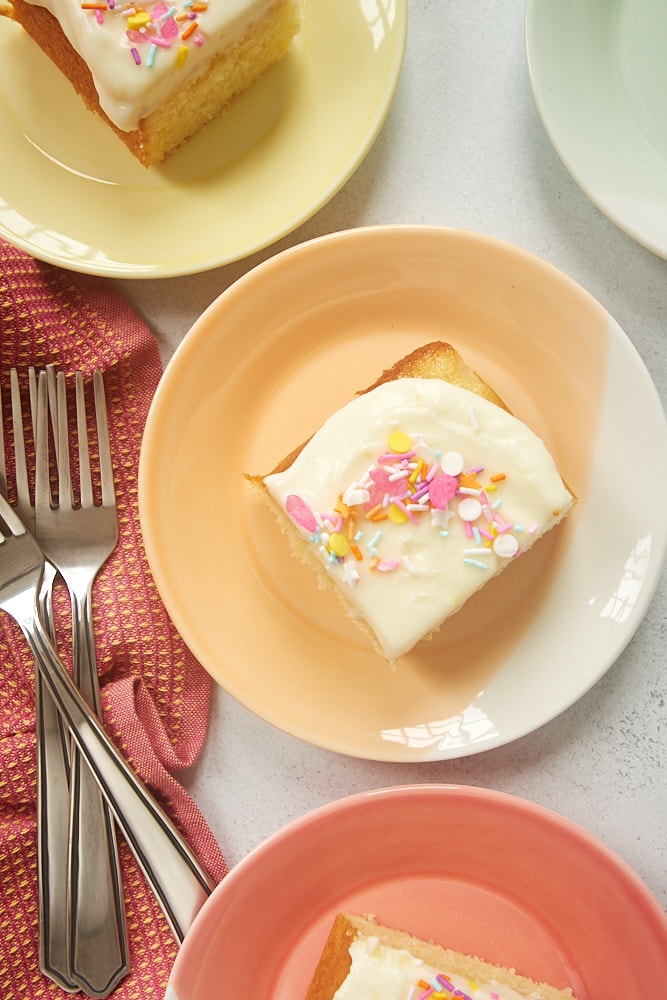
78 540
52 745
179 882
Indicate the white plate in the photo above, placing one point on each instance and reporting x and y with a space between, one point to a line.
290 342
71 193
599 75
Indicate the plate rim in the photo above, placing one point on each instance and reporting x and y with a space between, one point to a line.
572 159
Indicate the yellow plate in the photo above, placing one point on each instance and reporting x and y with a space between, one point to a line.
71 194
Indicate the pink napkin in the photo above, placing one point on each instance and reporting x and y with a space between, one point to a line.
155 695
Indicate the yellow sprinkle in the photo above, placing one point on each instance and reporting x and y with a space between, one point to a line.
397 515
138 20
491 488
399 442
182 55
339 544
412 478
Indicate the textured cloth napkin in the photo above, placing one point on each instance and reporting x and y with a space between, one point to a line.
155 696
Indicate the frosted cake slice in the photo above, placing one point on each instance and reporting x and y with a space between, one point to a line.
363 959
156 71
414 495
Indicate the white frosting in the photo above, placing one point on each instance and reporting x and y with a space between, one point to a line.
382 973
414 574
129 92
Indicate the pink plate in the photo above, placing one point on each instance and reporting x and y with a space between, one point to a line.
476 870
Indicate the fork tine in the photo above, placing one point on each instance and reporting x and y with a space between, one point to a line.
23 503
11 519
104 444
85 480
62 445
42 481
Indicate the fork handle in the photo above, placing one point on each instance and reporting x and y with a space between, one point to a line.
179 882
53 818
98 931
52 845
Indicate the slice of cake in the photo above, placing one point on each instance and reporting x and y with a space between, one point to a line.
157 71
414 495
362 959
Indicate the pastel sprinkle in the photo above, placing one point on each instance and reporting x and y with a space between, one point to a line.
506 546
441 490
475 562
375 539
470 509
138 20
339 544
409 483
300 512
387 565
400 442
157 24
452 463
397 515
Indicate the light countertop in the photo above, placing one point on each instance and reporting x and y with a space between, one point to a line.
464 146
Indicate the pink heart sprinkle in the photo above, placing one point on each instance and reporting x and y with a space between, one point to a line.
170 28
381 485
441 490
300 512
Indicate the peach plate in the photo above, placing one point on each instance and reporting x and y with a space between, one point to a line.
480 871
290 342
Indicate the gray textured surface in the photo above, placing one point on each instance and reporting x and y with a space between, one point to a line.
464 146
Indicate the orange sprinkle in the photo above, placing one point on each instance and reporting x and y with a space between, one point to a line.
470 480
356 552
340 507
370 513
190 30
498 478
93 6
198 7
377 514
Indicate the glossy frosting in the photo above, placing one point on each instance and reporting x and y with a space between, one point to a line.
138 53
489 489
395 974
